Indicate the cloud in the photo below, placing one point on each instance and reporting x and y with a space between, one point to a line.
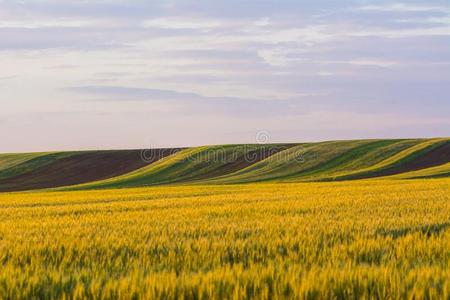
45 24
192 103
375 63
445 20
181 23
401 33
280 57
365 97
117 93
403 7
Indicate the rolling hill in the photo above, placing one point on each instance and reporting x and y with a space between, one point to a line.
19 172
227 164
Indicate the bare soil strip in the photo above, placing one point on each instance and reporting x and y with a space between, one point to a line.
83 168
435 157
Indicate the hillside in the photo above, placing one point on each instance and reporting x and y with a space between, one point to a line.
324 161
19 172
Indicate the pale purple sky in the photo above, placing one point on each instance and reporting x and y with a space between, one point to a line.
105 74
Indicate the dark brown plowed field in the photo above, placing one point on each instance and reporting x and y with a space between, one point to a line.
435 157
82 168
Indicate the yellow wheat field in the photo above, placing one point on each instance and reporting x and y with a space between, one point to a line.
366 239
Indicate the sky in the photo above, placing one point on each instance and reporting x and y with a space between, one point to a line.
109 74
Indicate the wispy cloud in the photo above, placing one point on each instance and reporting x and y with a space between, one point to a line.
118 93
362 62
428 20
403 7
193 103
46 24
181 23
401 33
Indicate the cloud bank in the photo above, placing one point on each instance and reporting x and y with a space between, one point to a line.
218 71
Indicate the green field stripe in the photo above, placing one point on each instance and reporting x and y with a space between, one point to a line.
25 163
396 160
12 159
252 167
266 168
242 153
343 159
433 172
356 159
294 161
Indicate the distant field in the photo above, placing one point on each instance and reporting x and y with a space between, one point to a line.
383 239
19 172
227 164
